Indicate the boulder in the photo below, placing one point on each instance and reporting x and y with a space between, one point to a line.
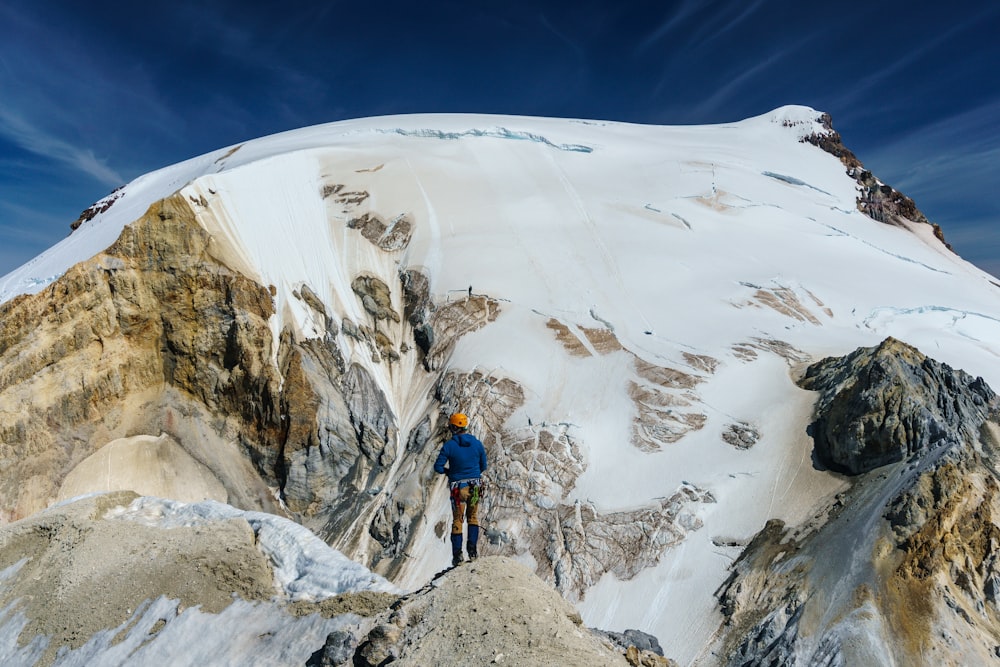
882 404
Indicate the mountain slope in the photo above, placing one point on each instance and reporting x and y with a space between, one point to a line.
622 310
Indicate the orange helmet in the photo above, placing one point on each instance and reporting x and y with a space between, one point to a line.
459 420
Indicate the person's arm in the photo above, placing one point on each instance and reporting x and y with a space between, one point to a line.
482 459
442 459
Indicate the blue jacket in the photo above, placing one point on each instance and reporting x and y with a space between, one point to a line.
465 456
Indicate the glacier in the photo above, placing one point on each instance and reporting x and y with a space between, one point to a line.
731 255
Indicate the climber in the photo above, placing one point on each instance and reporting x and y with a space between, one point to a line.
465 457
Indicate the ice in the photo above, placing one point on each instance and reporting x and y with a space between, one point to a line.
496 133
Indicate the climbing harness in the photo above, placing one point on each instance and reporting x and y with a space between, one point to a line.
474 491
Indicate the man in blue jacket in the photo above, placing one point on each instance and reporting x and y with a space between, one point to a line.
465 457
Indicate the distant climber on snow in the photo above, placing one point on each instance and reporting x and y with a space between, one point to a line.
465 457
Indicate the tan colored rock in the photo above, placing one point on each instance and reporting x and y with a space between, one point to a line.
146 465
492 611
85 573
642 658
154 335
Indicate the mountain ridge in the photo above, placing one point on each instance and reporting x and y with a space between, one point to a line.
623 325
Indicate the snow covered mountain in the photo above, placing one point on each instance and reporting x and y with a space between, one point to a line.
625 312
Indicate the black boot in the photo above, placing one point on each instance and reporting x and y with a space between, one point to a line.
473 541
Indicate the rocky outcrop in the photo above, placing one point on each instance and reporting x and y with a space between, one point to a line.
389 236
640 648
902 565
831 142
667 405
741 435
790 302
153 336
882 202
451 321
883 404
97 208
877 200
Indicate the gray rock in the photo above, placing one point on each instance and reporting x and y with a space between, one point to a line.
338 650
637 638
883 404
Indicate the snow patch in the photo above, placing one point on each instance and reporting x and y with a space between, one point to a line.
305 567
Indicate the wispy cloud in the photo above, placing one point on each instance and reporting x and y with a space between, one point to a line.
868 87
719 98
730 17
752 78
949 168
687 9
578 52
731 50
960 151
706 29
37 141
62 103
34 227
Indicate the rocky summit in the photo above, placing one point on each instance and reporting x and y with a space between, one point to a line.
221 398
903 564
885 404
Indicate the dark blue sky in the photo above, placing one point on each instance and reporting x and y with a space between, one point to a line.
93 94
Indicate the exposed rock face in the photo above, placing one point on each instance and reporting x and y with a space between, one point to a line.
741 435
902 566
797 304
831 142
97 207
884 203
159 336
394 235
883 404
153 336
877 200
451 321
